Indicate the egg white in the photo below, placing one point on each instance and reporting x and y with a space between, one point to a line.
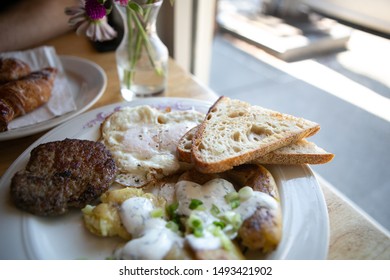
143 141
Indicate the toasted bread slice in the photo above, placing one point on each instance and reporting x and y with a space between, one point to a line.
235 132
301 152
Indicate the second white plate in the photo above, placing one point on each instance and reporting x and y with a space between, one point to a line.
87 81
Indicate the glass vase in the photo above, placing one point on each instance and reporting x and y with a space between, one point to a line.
142 58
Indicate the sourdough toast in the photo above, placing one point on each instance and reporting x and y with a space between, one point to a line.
300 152
235 132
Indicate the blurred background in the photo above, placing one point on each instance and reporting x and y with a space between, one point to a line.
326 60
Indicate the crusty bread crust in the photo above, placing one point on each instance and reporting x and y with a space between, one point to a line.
234 133
185 145
301 152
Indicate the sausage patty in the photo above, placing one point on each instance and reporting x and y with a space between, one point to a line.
61 175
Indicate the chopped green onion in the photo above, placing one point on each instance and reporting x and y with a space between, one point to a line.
231 196
234 204
172 212
215 210
171 209
233 199
198 232
172 226
195 203
219 224
194 221
225 240
233 219
245 193
88 209
196 225
157 213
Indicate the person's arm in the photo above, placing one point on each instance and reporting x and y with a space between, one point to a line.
31 22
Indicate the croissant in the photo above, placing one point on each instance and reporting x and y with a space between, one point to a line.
12 69
25 94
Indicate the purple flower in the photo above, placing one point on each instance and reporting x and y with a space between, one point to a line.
95 10
89 18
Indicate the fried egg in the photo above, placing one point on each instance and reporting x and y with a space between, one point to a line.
143 141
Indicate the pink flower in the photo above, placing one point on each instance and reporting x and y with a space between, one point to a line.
89 19
95 10
122 2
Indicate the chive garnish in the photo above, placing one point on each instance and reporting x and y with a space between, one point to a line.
195 203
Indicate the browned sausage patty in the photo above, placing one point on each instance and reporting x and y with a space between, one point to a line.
61 175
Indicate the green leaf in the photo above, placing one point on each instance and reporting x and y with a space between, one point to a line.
108 10
136 8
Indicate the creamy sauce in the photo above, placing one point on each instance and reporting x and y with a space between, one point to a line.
206 242
259 199
213 194
151 239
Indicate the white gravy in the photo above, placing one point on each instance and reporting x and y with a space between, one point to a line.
151 239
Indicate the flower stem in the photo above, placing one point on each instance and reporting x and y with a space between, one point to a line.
128 75
144 36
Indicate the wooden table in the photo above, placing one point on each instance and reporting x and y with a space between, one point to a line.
353 235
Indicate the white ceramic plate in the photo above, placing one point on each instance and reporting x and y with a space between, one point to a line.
24 236
87 81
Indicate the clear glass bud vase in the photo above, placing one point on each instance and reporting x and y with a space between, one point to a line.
142 58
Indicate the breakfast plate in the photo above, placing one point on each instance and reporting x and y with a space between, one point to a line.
24 236
87 81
